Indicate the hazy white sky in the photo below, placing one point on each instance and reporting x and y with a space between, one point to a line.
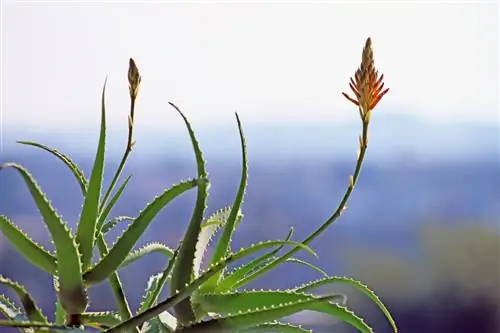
270 62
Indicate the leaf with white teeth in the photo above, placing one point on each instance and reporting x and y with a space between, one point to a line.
120 250
30 250
208 229
244 301
72 291
354 283
183 269
31 309
77 172
244 320
275 327
12 312
147 249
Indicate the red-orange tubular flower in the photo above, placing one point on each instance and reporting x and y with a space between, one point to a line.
367 85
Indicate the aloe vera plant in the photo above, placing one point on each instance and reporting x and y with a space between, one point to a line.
210 300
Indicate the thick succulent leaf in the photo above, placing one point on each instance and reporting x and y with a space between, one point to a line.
104 212
87 226
12 312
244 301
180 295
126 242
354 283
72 291
254 317
77 172
147 249
156 284
275 327
224 242
184 266
30 250
108 226
100 320
208 229
41 327
32 311
230 281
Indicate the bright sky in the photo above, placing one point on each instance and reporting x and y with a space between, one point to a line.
270 62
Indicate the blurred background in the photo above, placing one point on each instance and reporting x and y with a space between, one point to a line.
422 227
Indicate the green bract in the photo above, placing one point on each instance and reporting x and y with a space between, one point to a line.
211 300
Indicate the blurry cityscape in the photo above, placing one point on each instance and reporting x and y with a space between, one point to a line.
421 229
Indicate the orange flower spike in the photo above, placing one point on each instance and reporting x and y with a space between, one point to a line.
366 85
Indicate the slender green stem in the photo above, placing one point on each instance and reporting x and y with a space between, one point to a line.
116 285
127 152
331 219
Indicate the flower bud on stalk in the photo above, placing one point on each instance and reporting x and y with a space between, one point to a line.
367 85
134 79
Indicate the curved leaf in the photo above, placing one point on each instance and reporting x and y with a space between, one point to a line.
30 250
12 312
186 291
356 284
223 244
184 266
275 327
255 317
72 292
77 172
100 320
45 327
126 242
146 249
32 311
208 229
155 287
108 226
106 210
87 226
244 301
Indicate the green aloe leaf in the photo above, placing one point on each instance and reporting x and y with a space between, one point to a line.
255 317
275 327
307 264
32 311
156 283
77 172
180 295
30 250
87 226
230 281
184 266
147 249
244 301
41 327
110 263
72 292
108 226
354 283
106 210
12 312
208 229
223 244
100 320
